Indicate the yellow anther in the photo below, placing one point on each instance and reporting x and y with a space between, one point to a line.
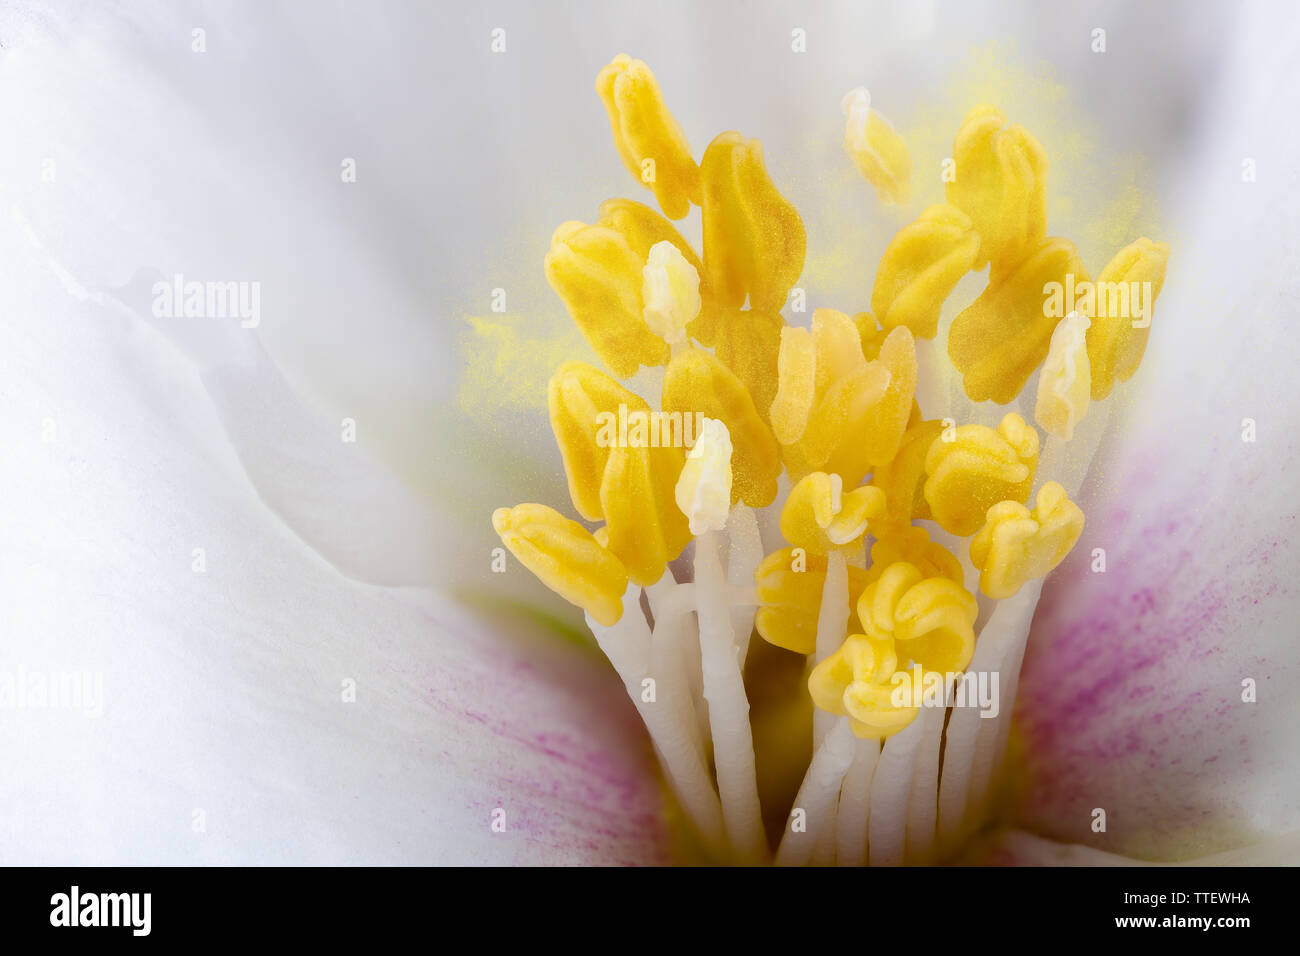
696 381
876 148
643 228
566 557
1126 293
913 545
670 288
1001 337
920 268
870 335
837 433
862 419
754 240
844 389
598 275
650 141
704 488
903 479
789 585
857 681
1018 545
796 389
820 516
845 414
643 525
1065 383
748 341
931 619
1000 181
875 441
976 470
837 345
584 403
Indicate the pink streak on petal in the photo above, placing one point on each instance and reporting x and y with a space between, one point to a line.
568 758
1131 697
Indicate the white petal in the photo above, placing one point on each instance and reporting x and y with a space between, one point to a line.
1132 696
223 690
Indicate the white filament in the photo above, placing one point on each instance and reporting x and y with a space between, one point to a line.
627 644
853 812
724 690
890 789
817 794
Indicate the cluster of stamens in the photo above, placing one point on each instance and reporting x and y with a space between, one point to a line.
823 505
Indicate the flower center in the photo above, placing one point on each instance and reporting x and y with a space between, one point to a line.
825 499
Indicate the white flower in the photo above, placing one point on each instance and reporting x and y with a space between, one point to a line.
286 675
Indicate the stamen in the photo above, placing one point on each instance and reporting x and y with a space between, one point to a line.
832 623
579 398
797 387
1017 545
903 480
566 557
789 590
817 795
876 148
1119 332
754 240
1001 337
858 409
818 515
977 469
597 274
643 525
890 787
697 383
853 814
747 341
1004 632
644 131
1001 185
742 561
921 267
